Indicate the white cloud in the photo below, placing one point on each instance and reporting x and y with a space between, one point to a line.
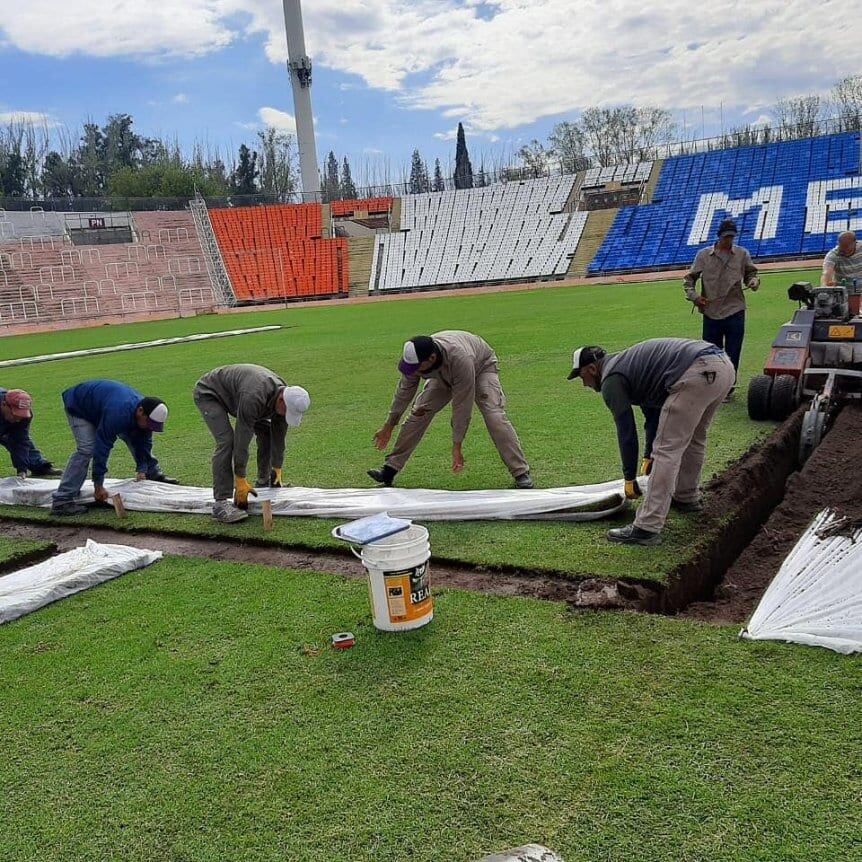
28 118
498 64
447 136
180 99
280 120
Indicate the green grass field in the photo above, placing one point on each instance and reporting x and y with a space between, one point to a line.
346 355
193 711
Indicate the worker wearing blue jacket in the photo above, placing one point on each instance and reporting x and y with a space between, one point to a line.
99 412
16 414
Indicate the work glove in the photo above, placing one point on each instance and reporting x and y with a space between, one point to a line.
275 480
633 490
646 467
242 489
753 283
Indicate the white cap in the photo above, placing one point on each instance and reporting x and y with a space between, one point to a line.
409 354
296 402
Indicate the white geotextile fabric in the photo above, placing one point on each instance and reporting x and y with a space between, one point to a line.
816 597
29 589
579 503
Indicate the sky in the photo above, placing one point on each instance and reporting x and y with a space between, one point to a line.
391 75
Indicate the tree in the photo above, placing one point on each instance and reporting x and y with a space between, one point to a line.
59 177
566 142
798 117
122 146
12 171
419 181
535 158
439 184
346 187
90 160
846 95
482 179
246 173
463 168
330 185
277 163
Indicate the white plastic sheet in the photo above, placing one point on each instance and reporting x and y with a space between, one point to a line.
579 503
816 597
29 589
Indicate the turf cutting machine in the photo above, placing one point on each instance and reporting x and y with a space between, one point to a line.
817 356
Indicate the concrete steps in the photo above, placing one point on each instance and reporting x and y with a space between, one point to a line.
598 224
361 252
395 217
652 182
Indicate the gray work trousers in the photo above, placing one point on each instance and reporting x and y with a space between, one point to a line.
218 421
491 403
679 449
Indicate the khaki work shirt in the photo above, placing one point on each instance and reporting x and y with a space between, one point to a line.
722 275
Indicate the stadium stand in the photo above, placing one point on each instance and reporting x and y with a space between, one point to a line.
372 206
789 199
511 231
44 277
276 252
622 174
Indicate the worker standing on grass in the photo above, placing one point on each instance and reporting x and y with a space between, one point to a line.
679 385
264 406
99 412
459 367
843 264
16 413
724 270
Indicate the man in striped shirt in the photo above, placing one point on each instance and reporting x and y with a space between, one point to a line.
844 263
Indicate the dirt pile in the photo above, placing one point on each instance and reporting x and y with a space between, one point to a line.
832 478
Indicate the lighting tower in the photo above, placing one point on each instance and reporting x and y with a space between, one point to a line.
299 68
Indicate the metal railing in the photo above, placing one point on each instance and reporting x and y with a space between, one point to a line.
213 260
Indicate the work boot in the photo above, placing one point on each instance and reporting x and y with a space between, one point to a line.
525 480
46 471
687 506
729 397
225 512
384 476
165 480
66 510
633 535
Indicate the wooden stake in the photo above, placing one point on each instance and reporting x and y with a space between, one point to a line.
266 507
119 508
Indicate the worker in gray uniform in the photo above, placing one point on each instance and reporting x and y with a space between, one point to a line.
264 407
679 385
459 367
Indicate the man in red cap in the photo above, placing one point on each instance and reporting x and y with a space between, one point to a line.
16 413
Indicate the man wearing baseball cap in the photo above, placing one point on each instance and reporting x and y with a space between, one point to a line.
459 367
99 412
264 407
679 385
724 270
16 414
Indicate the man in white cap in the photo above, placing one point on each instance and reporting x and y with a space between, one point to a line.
16 414
264 407
99 413
459 367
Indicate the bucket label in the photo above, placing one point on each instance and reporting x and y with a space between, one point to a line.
408 594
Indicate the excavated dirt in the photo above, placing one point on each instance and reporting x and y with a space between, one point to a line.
832 477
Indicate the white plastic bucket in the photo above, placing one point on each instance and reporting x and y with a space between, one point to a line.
399 580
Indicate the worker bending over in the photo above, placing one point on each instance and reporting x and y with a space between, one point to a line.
679 385
724 270
99 412
16 414
843 264
264 406
459 367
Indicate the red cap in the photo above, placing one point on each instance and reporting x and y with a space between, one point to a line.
20 403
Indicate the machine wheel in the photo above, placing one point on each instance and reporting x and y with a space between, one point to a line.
782 400
813 429
759 392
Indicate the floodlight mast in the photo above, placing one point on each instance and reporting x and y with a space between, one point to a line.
299 68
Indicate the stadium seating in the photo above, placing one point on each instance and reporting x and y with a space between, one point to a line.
373 206
623 174
44 277
502 232
276 252
789 199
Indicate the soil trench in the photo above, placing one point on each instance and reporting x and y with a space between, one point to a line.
831 478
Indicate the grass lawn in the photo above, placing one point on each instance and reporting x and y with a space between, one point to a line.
14 551
193 711
346 355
